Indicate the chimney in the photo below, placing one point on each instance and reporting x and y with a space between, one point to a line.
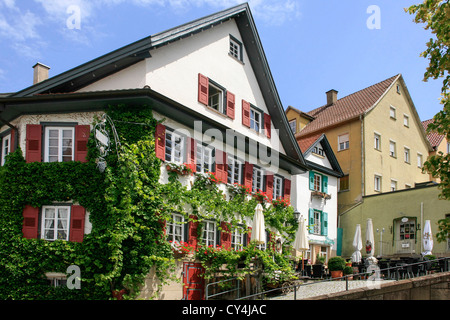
40 72
331 97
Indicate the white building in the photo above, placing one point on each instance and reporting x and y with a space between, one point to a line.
317 192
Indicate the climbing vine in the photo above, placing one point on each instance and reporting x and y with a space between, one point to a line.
126 205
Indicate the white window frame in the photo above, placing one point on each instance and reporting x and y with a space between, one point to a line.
175 228
237 238
234 168
317 227
377 182
257 179
407 154
394 185
318 151
277 187
419 160
216 100
392 148
209 229
406 120
377 141
293 125
60 155
204 158
6 147
255 119
393 112
44 222
317 180
343 142
176 147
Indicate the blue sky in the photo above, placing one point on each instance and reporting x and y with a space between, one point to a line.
311 46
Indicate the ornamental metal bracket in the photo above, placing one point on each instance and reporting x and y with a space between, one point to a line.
103 141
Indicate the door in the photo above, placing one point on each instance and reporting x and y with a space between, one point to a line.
194 283
405 235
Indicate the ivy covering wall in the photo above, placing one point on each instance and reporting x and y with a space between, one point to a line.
127 205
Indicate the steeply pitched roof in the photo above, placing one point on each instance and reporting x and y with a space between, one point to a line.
347 108
94 70
434 137
307 145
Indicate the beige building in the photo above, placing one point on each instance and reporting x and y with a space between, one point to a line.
376 135
438 142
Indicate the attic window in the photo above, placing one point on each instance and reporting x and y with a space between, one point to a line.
398 89
235 49
319 151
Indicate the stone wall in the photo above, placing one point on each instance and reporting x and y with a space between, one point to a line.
430 287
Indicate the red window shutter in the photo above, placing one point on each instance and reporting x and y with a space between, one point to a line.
33 143
269 185
287 189
81 139
249 235
203 84
267 125
77 217
191 154
230 104
30 222
248 175
13 140
160 141
221 166
246 113
192 231
225 235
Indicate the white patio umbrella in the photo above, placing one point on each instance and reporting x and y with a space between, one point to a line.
427 239
357 245
301 239
258 226
370 240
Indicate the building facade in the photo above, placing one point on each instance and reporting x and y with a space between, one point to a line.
377 137
398 220
218 112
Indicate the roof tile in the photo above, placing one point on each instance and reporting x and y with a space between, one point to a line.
346 108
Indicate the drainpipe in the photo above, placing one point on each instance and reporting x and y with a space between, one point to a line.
421 226
361 118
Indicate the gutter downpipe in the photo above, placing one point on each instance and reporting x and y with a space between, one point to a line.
361 118
421 226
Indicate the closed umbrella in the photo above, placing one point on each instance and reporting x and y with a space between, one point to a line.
427 239
370 243
357 245
301 239
258 227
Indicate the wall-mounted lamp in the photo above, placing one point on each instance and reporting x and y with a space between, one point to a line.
297 215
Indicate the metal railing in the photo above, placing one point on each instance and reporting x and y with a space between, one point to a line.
237 288
374 273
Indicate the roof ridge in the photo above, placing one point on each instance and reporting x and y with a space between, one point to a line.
324 107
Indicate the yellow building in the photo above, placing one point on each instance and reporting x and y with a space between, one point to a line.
438 142
376 135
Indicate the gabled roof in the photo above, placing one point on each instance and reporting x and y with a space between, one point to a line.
112 62
347 108
307 146
434 137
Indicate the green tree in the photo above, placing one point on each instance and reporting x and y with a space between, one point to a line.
435 14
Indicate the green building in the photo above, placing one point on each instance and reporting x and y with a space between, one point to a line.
398 219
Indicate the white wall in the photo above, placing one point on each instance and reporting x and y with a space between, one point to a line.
173 71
